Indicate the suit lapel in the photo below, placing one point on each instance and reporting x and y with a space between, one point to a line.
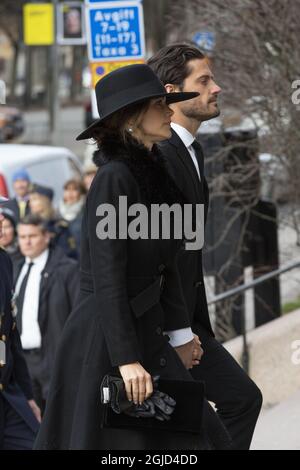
186 159
18 270
46 280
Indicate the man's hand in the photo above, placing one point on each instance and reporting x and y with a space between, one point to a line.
190 353
35 409
198 351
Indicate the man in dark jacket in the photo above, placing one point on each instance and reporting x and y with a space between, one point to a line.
20 203
238 400
46 285
19 414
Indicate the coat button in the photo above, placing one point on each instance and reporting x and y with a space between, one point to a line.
3 337
161 268
162 362
198 283
1 388
159 330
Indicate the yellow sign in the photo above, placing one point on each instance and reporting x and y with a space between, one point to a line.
38 24
100 69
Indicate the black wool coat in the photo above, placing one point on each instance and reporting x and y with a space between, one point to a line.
15 384
183 171
122 311
15 368
59 289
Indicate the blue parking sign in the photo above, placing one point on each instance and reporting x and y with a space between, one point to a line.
205 40
115 31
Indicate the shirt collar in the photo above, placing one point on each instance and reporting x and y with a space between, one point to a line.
186 137
40 260
22 199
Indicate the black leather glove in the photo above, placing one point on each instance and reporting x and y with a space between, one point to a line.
164 405
159 405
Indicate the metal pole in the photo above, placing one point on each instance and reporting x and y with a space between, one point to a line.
237 290
250 285
54 97
245 354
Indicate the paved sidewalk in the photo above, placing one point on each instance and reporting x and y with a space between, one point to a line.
279 427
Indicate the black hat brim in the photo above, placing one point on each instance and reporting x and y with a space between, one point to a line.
170 98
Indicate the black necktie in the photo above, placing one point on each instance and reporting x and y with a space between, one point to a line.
200 157
21 297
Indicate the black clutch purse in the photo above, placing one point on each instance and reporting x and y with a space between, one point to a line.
159 406
174 405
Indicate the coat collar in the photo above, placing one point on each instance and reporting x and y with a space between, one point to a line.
148 168
56 257
186 137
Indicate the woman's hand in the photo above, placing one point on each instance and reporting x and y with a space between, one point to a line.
138 383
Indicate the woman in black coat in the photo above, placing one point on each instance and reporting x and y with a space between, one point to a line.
130 289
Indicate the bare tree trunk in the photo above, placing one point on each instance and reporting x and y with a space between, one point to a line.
77 65
13 76
28 75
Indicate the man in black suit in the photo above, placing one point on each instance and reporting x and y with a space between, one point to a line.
19 414
46 286
238 400
20 203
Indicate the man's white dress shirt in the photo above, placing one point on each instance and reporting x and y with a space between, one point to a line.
188 139
31 335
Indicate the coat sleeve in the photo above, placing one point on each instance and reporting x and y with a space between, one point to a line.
109 265
172 300
21 373
72 284
20 370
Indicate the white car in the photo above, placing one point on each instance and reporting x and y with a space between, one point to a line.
49 166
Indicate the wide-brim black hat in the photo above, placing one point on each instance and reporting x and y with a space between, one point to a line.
127 86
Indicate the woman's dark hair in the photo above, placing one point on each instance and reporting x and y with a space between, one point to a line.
171 63
117 125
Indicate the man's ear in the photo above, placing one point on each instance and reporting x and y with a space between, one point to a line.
171 88
48 237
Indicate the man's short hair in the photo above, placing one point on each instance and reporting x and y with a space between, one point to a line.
171 63
35 220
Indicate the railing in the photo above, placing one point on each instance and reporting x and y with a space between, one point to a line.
240 289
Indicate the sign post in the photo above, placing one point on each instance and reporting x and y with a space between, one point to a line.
115 37
206 40
116 31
